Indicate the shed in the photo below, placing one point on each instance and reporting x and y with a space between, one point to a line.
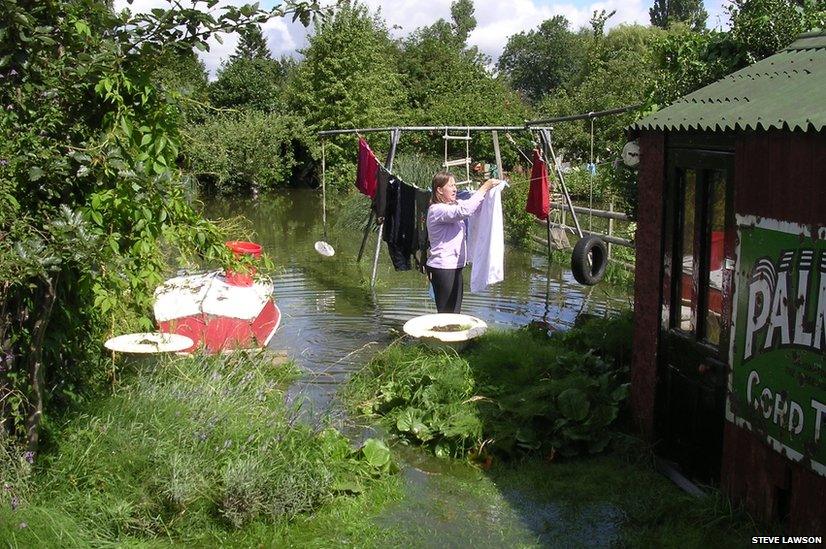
729 365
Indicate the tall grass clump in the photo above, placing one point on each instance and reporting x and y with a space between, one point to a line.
511 394
190 450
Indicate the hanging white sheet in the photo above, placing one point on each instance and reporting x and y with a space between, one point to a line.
486 242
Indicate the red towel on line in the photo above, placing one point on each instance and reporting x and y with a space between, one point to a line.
539 202
368 170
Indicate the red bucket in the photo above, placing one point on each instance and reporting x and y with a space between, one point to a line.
239 248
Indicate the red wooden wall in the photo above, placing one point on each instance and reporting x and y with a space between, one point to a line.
780 175
647 286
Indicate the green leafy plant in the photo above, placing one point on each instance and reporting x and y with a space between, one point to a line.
511 394
246 152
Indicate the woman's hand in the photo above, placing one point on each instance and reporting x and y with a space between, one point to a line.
490 183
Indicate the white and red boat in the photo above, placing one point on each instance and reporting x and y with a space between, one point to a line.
216 314
219 310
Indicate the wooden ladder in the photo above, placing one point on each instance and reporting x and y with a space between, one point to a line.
448 163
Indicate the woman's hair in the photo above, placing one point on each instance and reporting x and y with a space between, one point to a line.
439 180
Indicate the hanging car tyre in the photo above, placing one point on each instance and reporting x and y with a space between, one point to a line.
589 260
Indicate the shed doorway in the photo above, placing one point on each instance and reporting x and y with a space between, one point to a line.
698 250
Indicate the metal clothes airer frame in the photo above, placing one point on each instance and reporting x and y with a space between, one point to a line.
536 125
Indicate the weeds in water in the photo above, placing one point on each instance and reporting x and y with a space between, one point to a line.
190 448
511 394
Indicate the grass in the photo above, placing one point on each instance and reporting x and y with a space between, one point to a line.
192 450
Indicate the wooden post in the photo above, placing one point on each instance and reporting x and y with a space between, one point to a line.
394 140
610 225
499 170
548 227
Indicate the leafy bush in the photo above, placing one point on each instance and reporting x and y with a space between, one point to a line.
245 152
194 447
511 394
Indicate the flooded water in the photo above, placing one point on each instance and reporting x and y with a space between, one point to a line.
332 322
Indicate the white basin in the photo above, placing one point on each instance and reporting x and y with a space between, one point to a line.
423 327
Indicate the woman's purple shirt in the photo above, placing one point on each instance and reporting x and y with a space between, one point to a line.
447 233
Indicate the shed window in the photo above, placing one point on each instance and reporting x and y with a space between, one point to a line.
715 231
685 319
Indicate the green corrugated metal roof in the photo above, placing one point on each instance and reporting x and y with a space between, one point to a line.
784 91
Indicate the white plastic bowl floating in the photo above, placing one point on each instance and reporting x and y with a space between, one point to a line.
149 342
324 249
425 327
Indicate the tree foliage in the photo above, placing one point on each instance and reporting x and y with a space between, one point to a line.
689 12
540 61
251 45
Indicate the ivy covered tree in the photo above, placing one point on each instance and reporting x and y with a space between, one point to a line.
619 72
348 79
689 12
448 83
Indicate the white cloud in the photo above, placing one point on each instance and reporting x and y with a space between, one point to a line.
496 21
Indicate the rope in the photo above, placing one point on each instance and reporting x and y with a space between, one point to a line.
591 170
515 146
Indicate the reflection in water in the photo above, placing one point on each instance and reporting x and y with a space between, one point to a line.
332 321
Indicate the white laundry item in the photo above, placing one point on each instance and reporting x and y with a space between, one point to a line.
486 242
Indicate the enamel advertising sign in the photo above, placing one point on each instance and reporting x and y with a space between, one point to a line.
777 383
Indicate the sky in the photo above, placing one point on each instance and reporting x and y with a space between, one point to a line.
495 21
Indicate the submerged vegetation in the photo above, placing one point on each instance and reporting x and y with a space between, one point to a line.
509 395
188 449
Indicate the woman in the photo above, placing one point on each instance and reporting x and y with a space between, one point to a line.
448 239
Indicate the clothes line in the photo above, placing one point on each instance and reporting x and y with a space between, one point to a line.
427 129
535 124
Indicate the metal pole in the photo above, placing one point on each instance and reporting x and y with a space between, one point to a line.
394 140
500 173
323 191
366 234
549 148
